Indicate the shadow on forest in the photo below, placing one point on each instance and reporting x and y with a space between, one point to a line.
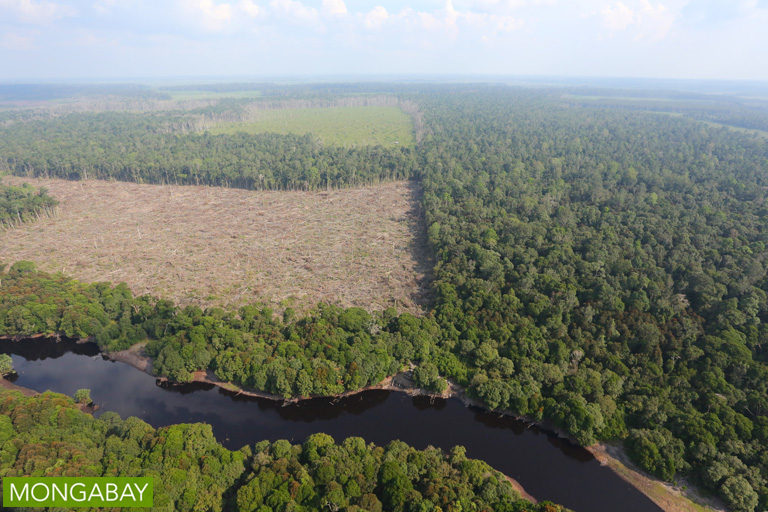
423 294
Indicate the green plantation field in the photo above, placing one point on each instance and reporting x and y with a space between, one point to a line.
343 126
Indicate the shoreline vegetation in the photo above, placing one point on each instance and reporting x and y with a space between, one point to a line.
193 471
667 496
135 358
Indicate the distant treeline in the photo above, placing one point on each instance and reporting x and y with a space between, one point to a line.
24 204
328 90
137 147
738 112
44 92
46 435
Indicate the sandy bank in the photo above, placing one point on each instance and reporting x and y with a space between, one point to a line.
19 337
520 490
6 384
137 358
400 382
667 496
133 356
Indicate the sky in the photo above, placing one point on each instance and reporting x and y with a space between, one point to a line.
114 39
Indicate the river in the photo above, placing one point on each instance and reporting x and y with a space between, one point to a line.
548 467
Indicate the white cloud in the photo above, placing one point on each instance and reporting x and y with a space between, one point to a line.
683 38
493 23
648 21
500 6
451 15
211 15
41 13
249 8
376 17
450 21
217 16
445 19
295 11
429 21
617 17
654 22
334 8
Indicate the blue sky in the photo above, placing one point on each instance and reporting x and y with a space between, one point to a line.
113 39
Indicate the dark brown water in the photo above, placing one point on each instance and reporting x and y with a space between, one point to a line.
548 467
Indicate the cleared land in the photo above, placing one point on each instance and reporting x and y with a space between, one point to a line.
343 126
227 247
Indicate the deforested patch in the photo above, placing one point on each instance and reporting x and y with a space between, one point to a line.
227 247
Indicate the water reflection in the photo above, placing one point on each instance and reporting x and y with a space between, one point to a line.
38 349
548 467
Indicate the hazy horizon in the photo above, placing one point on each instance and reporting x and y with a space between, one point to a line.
114 40
536 80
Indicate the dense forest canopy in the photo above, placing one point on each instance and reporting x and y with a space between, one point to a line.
138 147
615 262
599 267
331 351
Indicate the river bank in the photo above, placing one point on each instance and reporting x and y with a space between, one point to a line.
402 381
136 359
133 356
670 498
544 464
6 384
664 495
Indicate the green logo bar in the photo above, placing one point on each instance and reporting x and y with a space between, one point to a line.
77 492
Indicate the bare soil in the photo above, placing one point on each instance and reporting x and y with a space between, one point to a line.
134 356
6 384
228 247
520 489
